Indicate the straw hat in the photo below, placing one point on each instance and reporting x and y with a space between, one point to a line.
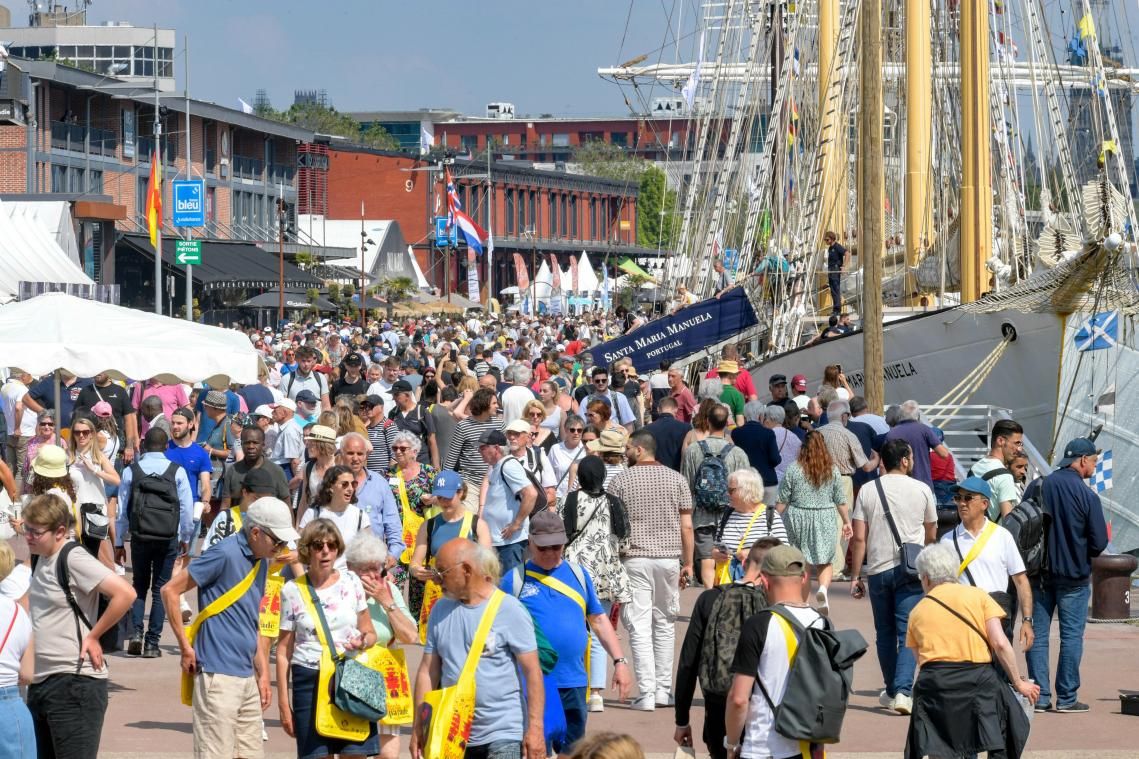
50 461
610 441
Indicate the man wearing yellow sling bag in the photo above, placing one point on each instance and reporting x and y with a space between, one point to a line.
230 685
556 592
501 723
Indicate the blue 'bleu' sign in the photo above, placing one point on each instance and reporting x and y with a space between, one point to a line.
442 237
685 333
189 202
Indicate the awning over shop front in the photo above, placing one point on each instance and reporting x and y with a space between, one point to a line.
227 264
629 266
272 299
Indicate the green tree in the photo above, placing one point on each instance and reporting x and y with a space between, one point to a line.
377 137
657 220
603 159
327 120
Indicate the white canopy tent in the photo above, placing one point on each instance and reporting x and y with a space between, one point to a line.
587 281
85 337
29 252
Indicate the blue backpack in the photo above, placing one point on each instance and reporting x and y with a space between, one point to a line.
711 488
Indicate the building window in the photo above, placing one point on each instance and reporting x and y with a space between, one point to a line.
563 226
523 223
561 140
140 195
510 212
96 178
469 143
620 139
593 218
573 216
553 205
534 210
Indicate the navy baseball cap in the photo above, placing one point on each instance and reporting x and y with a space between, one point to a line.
1076 449
307 396
446 484
974 485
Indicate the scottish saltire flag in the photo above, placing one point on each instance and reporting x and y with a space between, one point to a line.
1101 478
1099 332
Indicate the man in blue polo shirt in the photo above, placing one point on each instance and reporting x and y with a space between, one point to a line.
554 592
231 672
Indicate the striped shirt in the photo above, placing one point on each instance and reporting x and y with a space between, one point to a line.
732 533
463 453
379 435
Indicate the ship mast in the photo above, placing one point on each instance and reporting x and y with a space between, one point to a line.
871 191
918 210
834 149
976 153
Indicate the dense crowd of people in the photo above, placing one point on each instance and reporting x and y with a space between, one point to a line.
479 487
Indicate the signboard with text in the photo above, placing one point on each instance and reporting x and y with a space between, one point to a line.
189 202
188 252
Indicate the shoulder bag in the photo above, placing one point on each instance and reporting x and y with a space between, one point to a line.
449 712
356 690
907 552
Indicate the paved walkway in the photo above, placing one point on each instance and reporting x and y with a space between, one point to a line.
145 718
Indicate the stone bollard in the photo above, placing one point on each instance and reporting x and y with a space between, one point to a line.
1111 585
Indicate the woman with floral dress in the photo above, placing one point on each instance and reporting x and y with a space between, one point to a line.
416 480
809 494
596 524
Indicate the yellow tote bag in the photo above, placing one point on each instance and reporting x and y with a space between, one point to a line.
330 721
452 709
392 664
432 592
215 607
411 521
724 568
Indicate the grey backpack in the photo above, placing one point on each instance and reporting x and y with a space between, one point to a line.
819 682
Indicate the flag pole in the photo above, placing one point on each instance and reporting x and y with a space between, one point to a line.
157 169
189 175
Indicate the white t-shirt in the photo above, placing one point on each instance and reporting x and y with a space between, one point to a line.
16 584
561 458
514 400
13 618
88 487
998 561
760 740
911 505
342 603
12 393
350 522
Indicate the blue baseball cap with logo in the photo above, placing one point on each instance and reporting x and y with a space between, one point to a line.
974 485
1077 449
446 484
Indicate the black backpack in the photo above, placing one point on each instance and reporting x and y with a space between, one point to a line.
734 605
155 511
818 683
1028 522
533 469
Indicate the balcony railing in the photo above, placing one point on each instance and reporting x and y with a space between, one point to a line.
74 137
248 168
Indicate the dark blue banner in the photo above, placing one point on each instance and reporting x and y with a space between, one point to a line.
687 332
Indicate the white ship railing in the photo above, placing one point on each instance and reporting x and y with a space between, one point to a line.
966 429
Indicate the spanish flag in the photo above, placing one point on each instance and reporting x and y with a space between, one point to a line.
154 199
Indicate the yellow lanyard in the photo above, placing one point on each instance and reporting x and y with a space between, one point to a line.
555 584
978 545
793 648
750 523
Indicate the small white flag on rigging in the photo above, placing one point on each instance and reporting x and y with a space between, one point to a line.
693 83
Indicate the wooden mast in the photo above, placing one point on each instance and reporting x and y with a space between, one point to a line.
976 155
919 210
871 190
834 146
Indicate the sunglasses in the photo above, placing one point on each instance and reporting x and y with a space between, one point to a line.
322 545
601 381
537 415
546 549
47 424
278 544
400 448
81 433
574 431
349 484
964 498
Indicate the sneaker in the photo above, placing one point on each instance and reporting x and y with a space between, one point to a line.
664 698
134 648
822 604
264 733
885 700
1076 708
596 703
903 704
1041 708
151 651
644 704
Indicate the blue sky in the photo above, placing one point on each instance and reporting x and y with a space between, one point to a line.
384 55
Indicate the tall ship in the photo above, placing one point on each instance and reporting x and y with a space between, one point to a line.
995 191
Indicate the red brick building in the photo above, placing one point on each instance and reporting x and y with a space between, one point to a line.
532 212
